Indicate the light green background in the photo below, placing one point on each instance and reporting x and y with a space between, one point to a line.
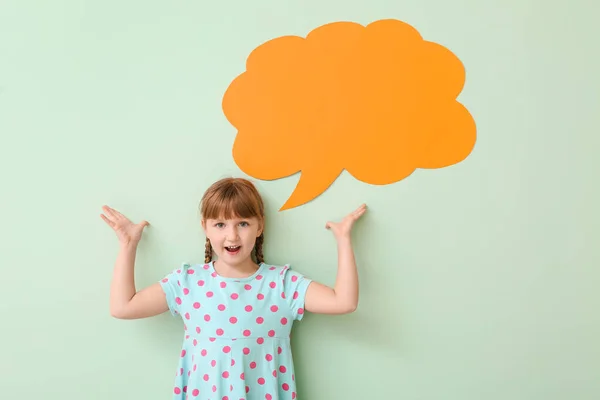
478 281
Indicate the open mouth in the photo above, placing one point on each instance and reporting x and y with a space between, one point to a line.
233 249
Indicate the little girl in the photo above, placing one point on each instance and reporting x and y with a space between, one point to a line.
237 310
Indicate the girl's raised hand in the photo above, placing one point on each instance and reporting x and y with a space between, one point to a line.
343 228
127 232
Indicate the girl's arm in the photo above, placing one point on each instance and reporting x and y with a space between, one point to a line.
343 297
125 301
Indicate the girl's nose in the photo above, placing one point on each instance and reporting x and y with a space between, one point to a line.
232 234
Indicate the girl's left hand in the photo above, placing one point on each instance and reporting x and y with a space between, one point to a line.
343 228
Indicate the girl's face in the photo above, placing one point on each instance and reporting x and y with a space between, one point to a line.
232 240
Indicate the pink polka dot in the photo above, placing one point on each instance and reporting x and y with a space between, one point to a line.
183 353
285 387
204 352
279 350
195 342
234 296
247 389
226 349
206 266
209 294
177 390
198 329
223 285
283 295
248 308
225 398
233 320
214 388
274 308
253 365
272 285
293 395
269 357
213 363
207 317
271 333
260 340
214 274
271 269
220 332
221 307
242 376
301 311
294 278
246 351
212 339
178 300
225 374
186 291
259 277
165 280
274 373
190 271
268 397
206 377
282 369
247 332
196 305
260 320
232 362
187 315
200 282
260 296
195 367
261 381
195 392
247 287
284 321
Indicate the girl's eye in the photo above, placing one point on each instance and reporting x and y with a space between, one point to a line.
244 223
219 224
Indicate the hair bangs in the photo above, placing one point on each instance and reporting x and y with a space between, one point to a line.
229 201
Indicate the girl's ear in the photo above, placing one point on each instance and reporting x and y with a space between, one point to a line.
203 223
261 227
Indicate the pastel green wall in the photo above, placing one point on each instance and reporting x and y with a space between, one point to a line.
478 281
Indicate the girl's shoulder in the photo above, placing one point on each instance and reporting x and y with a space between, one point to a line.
283 271
186 271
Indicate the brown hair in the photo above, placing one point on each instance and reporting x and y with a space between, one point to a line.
233 198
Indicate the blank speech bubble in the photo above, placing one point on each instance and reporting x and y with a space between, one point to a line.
378 101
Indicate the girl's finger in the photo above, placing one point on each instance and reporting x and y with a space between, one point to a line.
108 221
109 211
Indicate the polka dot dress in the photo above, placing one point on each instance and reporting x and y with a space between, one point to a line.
237 332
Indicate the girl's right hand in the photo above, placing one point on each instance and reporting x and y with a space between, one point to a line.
127 232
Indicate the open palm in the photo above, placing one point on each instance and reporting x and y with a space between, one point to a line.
343 228
127 232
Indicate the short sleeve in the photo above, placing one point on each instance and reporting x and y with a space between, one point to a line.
173 285
295 286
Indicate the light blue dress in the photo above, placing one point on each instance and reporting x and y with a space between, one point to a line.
236 332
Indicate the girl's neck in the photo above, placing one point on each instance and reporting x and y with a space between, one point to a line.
235 271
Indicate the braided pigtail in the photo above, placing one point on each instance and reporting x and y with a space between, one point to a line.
258 249
207 252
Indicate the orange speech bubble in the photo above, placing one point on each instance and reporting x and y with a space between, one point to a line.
378 101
